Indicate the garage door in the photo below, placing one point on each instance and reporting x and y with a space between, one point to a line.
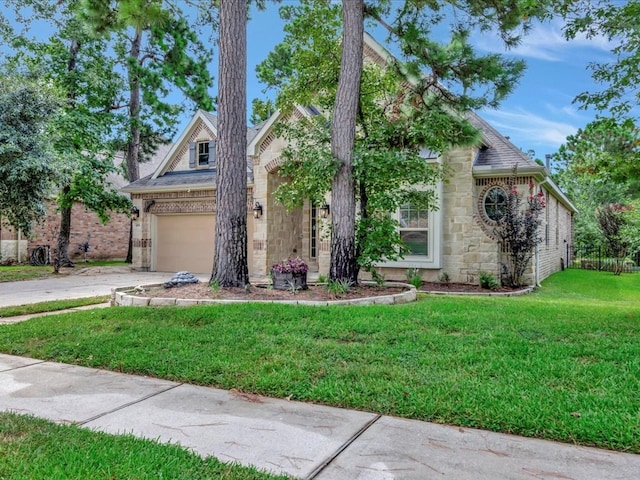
184 242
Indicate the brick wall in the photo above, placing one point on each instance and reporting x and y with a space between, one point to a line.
557 233
106 241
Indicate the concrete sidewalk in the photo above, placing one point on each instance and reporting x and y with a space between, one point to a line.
303 440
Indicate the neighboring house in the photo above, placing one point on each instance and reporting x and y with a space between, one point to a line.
175 230
106 241
13 245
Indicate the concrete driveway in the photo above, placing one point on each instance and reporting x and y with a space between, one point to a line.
81 283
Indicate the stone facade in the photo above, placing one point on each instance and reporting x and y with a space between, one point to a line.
461 240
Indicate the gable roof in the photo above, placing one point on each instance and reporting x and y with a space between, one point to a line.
253 145
209 120
498 153
161 178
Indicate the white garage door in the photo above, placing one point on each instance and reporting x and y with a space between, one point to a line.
184 242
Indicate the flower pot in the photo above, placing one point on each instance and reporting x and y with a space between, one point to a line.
288 281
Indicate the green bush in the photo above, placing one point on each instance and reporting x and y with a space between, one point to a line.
414 278
489 281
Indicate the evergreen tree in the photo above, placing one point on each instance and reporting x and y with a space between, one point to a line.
230 268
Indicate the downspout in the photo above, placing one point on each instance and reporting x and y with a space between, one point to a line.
537 269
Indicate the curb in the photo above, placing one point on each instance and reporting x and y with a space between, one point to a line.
123 297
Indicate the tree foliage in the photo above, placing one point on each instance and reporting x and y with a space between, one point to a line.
620 77
28 167
75 62
158 51
614 225
599 165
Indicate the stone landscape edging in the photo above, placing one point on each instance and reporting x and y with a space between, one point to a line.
514 293
122 297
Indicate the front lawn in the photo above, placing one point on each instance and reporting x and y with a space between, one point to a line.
14 273
32 448
50 306
562 363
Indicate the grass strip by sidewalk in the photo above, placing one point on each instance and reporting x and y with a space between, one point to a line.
561 364
50 306
32 448
16 273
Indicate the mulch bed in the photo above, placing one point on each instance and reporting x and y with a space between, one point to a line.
314 292
463 288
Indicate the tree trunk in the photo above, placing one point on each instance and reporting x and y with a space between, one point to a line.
343 127
230 267
64 233
133 146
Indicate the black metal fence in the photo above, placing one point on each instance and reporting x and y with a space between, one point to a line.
596 257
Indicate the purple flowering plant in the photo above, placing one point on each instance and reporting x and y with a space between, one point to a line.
290 265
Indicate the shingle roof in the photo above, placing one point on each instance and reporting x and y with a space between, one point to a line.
195 178
498 151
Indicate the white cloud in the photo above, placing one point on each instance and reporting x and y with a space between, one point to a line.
528 129
544 42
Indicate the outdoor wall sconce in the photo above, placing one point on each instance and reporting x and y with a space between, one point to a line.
135 213
257 210
325 211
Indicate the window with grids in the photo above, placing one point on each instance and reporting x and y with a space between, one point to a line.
495 203
203 154
414 229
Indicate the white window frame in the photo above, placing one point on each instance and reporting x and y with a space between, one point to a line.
197 153
433 259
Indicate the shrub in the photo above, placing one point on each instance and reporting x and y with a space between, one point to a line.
338 287
414 278
518 229
444 278
489 281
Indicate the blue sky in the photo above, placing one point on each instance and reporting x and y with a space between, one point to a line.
538 115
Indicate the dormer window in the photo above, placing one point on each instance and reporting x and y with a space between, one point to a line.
202 154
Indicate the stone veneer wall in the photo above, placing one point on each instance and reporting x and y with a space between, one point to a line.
106 241
467 250
284 228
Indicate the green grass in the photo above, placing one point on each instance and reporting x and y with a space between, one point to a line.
14 273
32 448
50 306
562 363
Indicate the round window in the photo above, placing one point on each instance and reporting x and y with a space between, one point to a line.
495 203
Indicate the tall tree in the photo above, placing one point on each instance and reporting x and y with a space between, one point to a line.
27 160
343 131
75 62
159 51
230 267
599 165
